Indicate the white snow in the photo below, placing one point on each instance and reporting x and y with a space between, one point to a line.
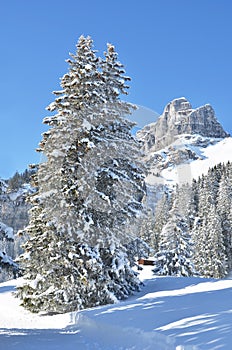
56 153
88 66
169 313
6 259
9 232
89 143
14 195
24 189
219 152
14 316
86 125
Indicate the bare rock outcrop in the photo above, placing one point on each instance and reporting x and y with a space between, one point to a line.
180 118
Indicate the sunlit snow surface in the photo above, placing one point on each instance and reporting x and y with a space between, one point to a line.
169 313
219 152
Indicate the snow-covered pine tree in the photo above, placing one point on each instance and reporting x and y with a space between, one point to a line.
17 180
119 182
158 220
192 207
8 268
209 257
89 190
146 229
217 265
174 257
224 204
211 222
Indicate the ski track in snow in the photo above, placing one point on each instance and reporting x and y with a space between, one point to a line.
169 313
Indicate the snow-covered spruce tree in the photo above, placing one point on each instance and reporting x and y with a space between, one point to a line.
174 257
192 206
209 256
224 204
211 226
146 228
119 181
89 190
8 268
161 217
217 265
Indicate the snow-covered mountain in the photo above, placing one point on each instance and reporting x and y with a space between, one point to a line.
13 206
8 267
183 143
180 118
13 217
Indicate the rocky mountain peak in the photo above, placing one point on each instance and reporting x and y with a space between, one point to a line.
180 118
179 105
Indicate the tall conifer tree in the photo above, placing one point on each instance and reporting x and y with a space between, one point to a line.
174 257
89 190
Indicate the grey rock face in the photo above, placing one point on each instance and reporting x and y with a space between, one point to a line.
180 118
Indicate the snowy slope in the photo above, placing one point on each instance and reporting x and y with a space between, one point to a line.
187 158
169 313
221 152
23 190
7 231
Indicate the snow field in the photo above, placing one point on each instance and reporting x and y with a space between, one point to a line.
168 313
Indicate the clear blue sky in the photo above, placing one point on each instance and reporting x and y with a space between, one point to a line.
170 48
